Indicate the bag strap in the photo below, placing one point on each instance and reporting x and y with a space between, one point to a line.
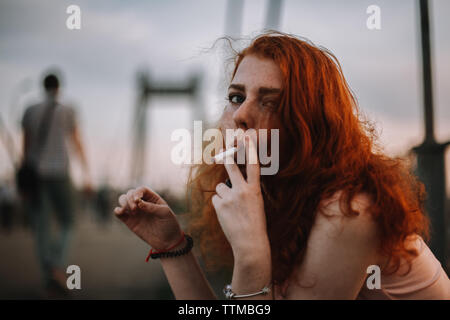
44 128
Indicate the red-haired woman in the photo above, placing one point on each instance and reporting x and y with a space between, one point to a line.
336 208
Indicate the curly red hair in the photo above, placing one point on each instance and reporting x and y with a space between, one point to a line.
335 150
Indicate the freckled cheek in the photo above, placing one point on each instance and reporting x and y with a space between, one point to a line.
262 137
266 139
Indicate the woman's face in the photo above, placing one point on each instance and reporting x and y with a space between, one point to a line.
253 96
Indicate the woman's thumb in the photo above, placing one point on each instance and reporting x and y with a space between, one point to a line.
151 208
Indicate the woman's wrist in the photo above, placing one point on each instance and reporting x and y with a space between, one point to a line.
252 273
176 243
173 251
181 244
253 255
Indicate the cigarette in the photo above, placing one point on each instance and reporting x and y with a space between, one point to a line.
221 156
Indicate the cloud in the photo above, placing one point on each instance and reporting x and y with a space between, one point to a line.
117 37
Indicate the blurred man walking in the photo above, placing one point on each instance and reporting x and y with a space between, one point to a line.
47 127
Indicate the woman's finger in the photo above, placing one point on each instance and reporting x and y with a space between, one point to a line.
233 171
149 195
253 170
138 194
215 201
118 211
130 200
222 189
123 201
152 208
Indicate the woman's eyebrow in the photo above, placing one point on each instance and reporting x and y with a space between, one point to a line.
264 90
261 90
239 87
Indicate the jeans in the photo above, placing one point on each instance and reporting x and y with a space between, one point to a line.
54 194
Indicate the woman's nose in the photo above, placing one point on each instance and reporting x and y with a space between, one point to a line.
243 116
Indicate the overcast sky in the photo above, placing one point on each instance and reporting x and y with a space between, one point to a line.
169 37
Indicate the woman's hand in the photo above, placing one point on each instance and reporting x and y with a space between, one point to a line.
149 217
240 209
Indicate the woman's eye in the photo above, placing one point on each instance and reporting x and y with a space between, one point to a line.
269 104
236 98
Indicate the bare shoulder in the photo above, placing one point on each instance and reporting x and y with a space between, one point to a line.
339 249
331 217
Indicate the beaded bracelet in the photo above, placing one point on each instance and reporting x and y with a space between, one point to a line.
177 253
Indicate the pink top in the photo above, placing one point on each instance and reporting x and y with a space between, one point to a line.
426 280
